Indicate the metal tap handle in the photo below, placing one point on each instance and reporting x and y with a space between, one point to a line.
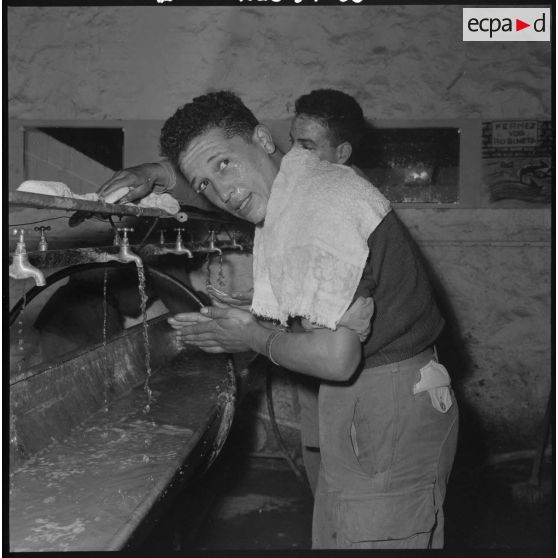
179 233
21 233
43 246
125 230
20 247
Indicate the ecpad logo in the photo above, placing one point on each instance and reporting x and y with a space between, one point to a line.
506 24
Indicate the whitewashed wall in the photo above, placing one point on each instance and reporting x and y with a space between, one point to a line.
401 62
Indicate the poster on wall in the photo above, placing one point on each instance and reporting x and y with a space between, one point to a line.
517 161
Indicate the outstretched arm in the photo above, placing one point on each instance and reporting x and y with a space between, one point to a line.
323 353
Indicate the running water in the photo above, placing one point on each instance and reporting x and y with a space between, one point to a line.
208 267
20 336
105 356
14 438
143 302
220 276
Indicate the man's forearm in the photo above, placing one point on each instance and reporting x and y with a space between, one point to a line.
322 353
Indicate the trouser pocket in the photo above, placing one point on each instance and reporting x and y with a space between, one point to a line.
384 520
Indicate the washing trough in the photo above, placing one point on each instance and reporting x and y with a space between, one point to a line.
91 468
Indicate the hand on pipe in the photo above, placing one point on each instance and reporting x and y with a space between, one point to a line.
215 330
237 299
133 183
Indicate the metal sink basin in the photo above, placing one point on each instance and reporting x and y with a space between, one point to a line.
90 469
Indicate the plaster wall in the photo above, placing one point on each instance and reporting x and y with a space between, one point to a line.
400 62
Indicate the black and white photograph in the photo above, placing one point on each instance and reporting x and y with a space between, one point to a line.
281 277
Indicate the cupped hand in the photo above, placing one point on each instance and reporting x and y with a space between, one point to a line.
216 330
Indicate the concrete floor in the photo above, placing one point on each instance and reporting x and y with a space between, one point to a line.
254 503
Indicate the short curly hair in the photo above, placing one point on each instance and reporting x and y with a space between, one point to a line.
219 109
337 111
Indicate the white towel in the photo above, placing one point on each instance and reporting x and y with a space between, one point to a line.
49 188
162 201
310 253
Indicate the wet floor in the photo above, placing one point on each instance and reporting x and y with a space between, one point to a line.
268 509
256 503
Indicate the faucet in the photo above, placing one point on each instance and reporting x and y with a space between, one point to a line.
211 247
43 246
125 255
178 247
234 245
20 267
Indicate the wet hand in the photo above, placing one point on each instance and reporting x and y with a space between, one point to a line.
216 330
178 321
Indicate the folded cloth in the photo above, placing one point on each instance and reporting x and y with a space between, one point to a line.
310 253
49 188
161 201
158 201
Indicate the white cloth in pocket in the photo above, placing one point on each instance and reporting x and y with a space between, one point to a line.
435 379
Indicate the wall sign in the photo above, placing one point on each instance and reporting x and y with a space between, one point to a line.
517 160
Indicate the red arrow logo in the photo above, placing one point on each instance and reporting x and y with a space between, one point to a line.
519 25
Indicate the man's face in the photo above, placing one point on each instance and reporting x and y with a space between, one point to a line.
308 133
231 173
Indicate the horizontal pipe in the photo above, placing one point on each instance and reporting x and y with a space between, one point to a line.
40 201
73 256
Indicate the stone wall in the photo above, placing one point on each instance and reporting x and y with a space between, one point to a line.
143 62
401 62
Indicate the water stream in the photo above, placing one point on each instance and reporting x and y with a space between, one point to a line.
20 336
220 276
105 355
143 303
208 268
14 439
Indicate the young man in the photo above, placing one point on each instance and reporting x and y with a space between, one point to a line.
330 124
388 424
